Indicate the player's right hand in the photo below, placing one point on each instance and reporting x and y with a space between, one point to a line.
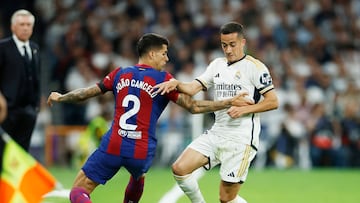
166 87
54 96
241 100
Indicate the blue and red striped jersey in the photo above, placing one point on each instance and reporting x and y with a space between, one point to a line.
137 109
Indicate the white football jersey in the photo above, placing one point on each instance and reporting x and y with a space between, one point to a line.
247 75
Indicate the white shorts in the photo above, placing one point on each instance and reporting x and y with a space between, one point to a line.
234 157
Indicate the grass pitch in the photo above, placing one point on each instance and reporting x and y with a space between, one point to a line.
266 186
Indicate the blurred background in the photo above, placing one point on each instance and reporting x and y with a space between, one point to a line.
311 47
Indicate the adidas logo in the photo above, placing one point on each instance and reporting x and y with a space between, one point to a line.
217 75
231 174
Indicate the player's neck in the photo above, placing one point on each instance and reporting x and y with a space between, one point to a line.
232 62
147 62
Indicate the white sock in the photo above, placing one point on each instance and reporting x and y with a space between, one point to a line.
174 194
190 186
238 199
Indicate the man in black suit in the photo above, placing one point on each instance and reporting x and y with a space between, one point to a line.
19 78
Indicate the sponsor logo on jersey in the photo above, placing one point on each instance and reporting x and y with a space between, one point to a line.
225 90
225 86
130 134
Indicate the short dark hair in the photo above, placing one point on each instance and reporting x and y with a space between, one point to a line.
150 41
232 27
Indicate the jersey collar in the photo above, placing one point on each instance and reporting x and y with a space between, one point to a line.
230 63
140 65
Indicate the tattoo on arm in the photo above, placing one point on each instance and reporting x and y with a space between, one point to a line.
80 94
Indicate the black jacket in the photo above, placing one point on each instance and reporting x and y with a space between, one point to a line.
19 82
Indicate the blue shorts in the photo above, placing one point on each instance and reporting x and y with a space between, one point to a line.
101 167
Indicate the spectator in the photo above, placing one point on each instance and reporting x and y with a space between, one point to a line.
291 134
350 125
20 78
325 140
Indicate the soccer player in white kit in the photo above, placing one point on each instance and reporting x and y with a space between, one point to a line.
233 140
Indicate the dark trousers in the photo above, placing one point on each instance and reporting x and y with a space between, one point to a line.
20 124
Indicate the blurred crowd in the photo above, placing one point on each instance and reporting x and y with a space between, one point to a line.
312 48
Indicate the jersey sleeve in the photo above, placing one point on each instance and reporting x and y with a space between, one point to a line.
207 78
262 79
173 95
106 83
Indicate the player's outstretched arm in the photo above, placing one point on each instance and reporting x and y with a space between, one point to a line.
190 88
203 106
74 96
166 87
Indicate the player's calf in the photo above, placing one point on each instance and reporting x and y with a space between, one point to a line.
134 190
189 185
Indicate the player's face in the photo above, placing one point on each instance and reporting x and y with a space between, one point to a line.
23 27
161 57
233 46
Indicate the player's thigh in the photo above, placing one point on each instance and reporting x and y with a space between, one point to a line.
188 161
137 167
235 162
101 167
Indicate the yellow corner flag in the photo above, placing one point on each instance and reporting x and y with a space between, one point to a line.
22 178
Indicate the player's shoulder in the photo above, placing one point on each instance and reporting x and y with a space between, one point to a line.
117 69
254 61
218 62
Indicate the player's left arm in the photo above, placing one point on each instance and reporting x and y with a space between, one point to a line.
74 96
203 106
269 102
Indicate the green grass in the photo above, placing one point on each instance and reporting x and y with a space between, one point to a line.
266 186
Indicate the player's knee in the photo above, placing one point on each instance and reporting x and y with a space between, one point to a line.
178 169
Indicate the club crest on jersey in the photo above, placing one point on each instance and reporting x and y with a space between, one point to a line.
237 75
266 79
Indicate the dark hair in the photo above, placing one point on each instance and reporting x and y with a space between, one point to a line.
150 41
232 27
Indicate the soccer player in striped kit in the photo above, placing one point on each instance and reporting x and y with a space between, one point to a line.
131 140
233 140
